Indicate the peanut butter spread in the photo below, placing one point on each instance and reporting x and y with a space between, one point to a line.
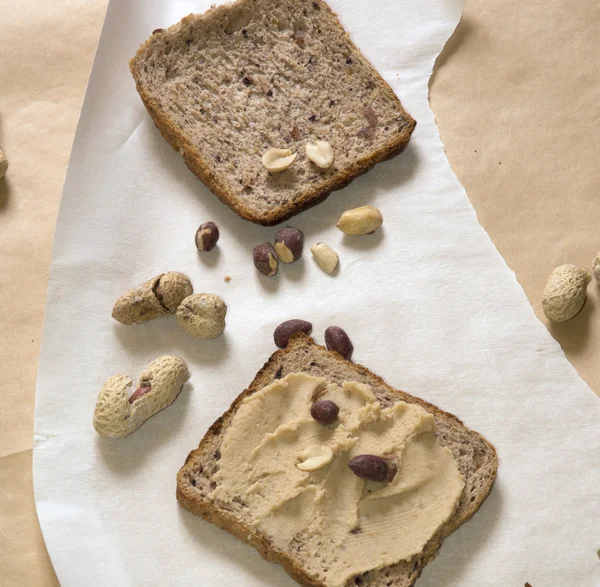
340 524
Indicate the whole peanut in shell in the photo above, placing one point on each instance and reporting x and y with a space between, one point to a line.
157 297
565 292
3 164
118 414
202 315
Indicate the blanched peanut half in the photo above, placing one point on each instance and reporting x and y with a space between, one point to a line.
326 258
363 220
276 160
117 414
314 458
320 153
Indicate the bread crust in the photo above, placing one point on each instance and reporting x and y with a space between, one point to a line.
312 195
191 499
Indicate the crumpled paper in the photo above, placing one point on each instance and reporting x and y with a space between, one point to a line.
428 302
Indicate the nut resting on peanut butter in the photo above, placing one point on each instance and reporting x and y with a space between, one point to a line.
324 411
314 458
374 468
207 236
117 414
363 220
276 160
564 294
289 242
326 258
285 330
337 340
3 163
265 259
202 315
320 153
159 296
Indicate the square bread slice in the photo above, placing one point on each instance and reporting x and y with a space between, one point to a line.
475 456
225 86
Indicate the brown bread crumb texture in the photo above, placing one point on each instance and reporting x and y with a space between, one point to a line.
225 86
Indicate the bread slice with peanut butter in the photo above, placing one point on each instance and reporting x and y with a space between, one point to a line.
226 86
466 460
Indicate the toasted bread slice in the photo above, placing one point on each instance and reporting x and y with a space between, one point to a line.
475 456
225 86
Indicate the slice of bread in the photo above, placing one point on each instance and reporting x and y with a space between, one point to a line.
475 456
225 86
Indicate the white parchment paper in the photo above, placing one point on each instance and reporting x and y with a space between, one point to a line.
427 300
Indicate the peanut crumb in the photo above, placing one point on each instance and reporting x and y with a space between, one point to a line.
227 278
